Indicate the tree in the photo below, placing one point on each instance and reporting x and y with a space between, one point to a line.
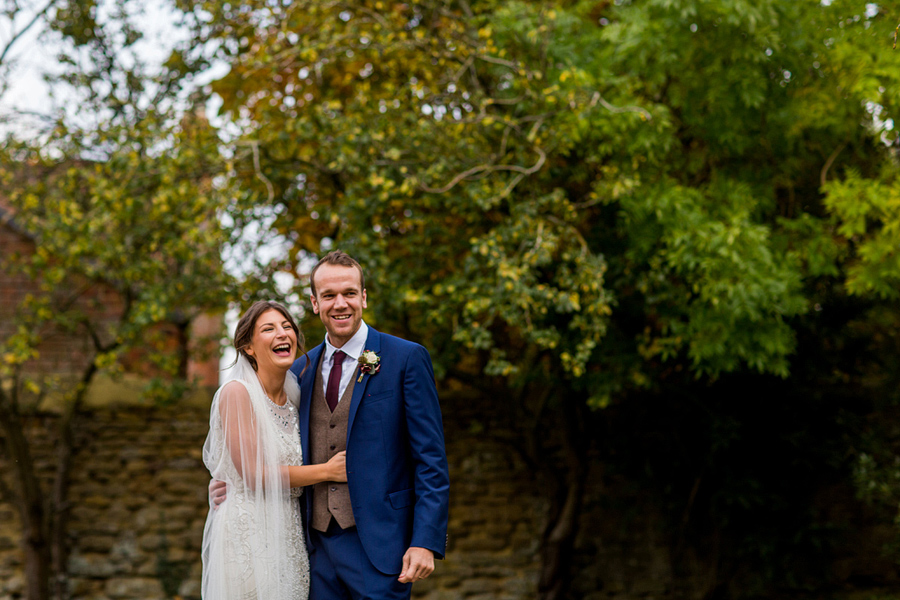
575 203
122 203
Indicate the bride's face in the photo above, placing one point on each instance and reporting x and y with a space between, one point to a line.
274 343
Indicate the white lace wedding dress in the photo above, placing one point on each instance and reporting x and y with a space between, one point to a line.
253 543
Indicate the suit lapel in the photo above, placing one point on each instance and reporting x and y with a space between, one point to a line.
306 394
373 343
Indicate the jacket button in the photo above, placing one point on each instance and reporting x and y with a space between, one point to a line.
333 489
332 425
333 446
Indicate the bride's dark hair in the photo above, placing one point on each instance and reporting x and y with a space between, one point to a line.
243 333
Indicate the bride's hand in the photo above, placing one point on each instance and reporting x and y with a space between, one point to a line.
217 491
337 467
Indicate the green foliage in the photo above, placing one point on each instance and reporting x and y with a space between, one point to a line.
140 218
866 213
714 280
496 149
122 201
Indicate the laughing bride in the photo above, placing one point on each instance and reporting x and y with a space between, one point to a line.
253 542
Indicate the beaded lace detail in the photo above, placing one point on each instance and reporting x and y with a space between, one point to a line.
287 420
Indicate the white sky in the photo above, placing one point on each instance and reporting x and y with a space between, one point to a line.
34 54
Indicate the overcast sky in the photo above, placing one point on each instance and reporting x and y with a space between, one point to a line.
34 54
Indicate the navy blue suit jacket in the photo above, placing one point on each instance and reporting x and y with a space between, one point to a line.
397 471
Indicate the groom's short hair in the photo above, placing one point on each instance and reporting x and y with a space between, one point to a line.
336 257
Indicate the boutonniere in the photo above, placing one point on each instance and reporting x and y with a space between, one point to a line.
369 362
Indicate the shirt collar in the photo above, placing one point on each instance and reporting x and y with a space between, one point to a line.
354 346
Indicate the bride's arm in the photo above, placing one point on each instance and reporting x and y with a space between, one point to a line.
242 443
334 470
241 436
299 476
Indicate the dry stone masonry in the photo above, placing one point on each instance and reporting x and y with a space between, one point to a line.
139 504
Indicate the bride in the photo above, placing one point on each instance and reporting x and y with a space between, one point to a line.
253 542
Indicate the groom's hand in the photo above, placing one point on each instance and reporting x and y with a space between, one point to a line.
216 493
418 563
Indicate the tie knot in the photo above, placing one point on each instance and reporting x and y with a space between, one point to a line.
338 356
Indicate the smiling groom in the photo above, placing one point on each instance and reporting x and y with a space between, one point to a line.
374 396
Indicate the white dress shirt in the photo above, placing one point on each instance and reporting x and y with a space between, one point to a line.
353 349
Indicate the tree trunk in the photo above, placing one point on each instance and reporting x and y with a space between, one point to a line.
59 549
558 541
37 573
29 500
184 340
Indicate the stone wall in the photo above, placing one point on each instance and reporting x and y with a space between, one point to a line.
139 505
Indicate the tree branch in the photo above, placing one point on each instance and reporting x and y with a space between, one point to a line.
30 24
829 162
523 171
501 62
270 189
598 99
512 184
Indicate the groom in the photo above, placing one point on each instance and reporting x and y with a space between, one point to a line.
374 396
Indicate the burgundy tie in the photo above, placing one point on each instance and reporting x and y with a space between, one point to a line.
334 380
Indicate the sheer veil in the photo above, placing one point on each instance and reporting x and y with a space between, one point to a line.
245 542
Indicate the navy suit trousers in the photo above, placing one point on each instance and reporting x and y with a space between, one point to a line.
340 569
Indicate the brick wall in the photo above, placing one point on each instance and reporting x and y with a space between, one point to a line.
65 353
60 353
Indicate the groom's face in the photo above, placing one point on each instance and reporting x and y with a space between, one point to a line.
339 301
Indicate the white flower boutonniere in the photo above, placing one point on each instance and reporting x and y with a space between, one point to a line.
369 362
